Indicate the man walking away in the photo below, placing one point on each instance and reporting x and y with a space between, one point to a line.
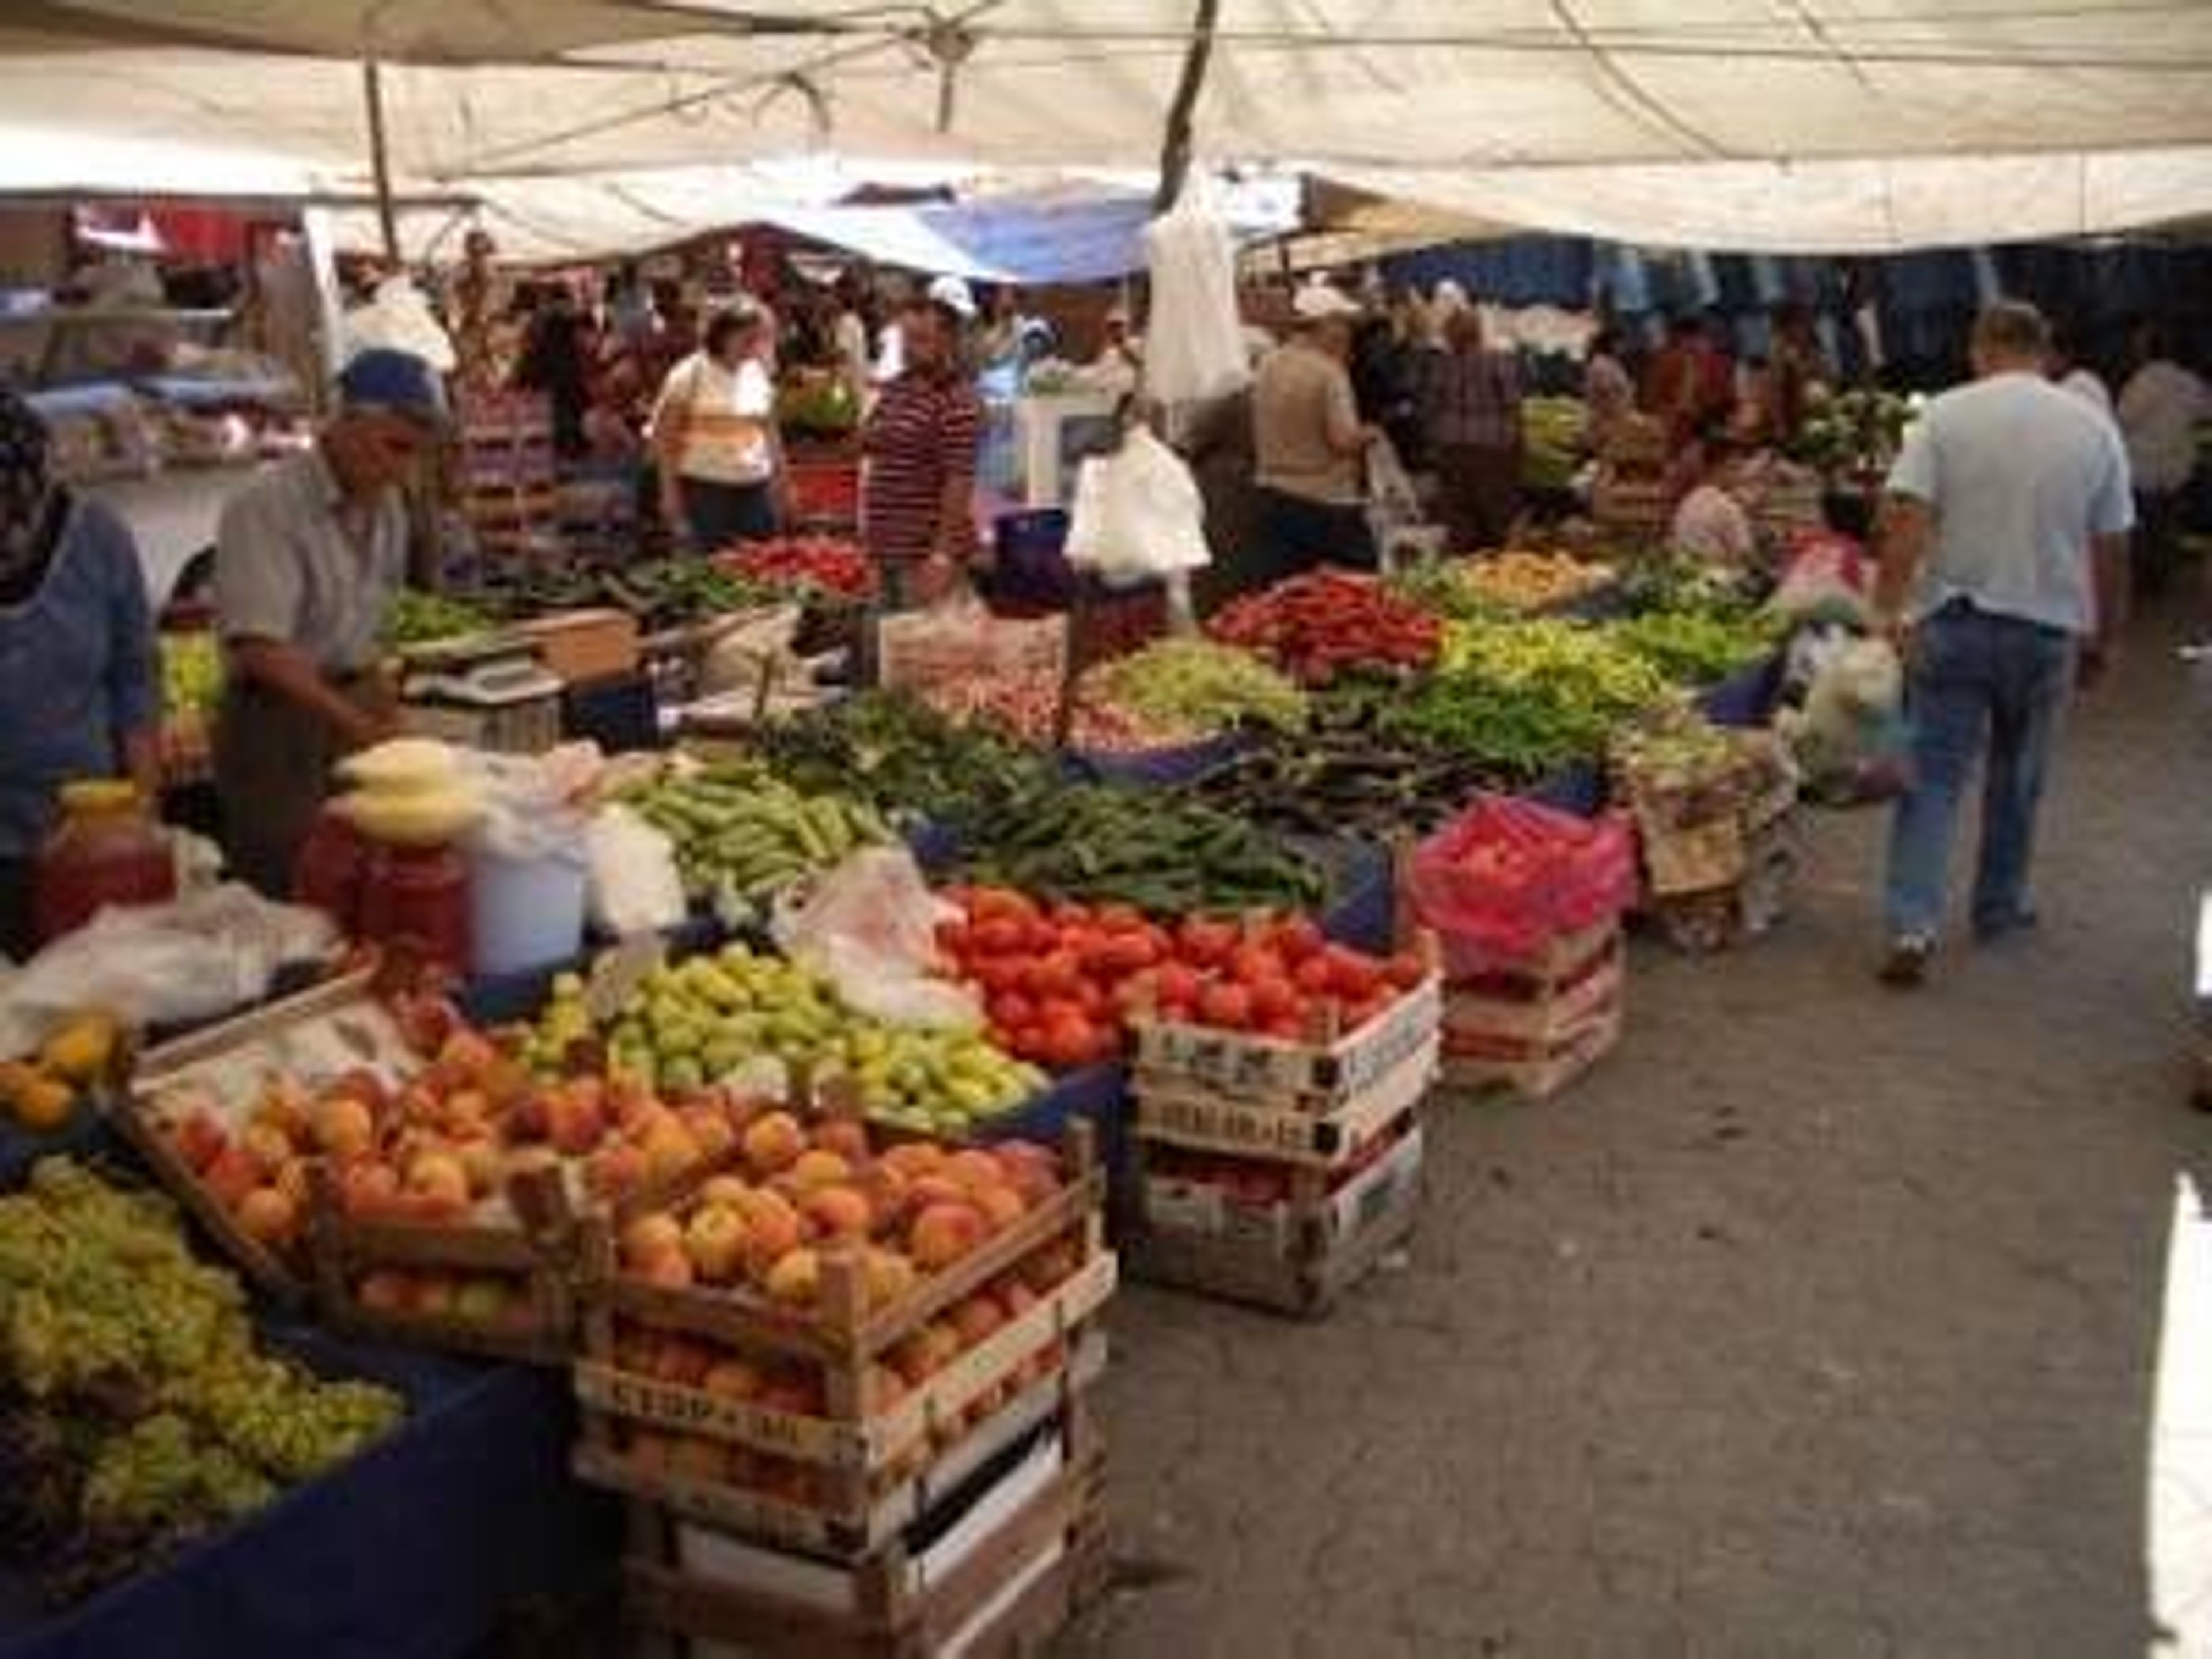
1998 489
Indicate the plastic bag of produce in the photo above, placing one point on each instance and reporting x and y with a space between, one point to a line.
1138 513
635 887
870 926
162 965
1508 876
1852 739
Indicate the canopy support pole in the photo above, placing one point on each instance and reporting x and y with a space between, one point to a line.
1175 152
380 160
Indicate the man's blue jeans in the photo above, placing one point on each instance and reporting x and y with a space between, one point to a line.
1976 682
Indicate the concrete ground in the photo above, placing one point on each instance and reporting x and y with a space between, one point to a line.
1818 1321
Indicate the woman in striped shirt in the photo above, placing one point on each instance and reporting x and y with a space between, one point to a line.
714 436
917 498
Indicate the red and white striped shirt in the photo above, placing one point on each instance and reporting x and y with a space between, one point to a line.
921 436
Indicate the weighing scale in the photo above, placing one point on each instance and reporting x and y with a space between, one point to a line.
488 691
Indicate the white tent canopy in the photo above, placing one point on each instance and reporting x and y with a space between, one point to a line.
1817 123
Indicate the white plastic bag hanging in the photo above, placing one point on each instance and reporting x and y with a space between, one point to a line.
1194 332
636 887
1138 513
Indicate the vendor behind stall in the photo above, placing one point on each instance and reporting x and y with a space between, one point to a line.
307 558
917 492
77 665
1710 522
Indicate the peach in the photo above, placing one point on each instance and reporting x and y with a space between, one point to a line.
847 1137
943 1233
915 1159
882 1389
504 1082
650 1234
629 1101
293 1181
724 1189
386 1290
441 1175
1002 1206
344 1126
234 1173
790 1392
709 1127
361 1084
613 1170
435 1295
839 1212
467 1052
815 1168
286 1107
575 1122
973 1169
366 1190
199 1139
929 1351
525 1120
715 1241
1016 1297
926 1190
977 1318
482 1162
683 1362
269 1216
1029 1170
269 1145
774 1142
887 1192
732 1379
891 1277
771 1226
1050 1267
668 1150
796 1278
671 1269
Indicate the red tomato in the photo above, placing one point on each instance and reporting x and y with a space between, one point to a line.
1361 1013
1248 964
1207 943
1316 976
1043 937
1121 919
1406 969
1288 1028
998 937
998 904
1178 986
1091 997
1066 915
955 939
1225 1005
998 974
1127 953
1354 976
1069 1040
1296 939
1011 1011
1274 1000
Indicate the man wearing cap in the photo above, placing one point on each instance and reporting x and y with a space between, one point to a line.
1308 442
307 557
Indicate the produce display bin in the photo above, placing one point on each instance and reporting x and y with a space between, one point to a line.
1295 1256
1160 769
1579 789
1535 1027
1269 1070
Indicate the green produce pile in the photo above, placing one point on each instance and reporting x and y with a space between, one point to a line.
1683 582
1439 587
192 674
1341 775
712 1017
1195 682
1854 430
420 618
136 1412
1526 698
1673 751
1104 844
1692 647
1554 428
819 405
742 834
660 594
904 757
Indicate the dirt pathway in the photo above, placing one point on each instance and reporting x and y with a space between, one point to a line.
1818 1322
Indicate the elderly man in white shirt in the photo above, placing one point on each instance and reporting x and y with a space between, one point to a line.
2159 410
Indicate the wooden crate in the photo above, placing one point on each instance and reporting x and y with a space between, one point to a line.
1541 1071
1317 1075
1555 1015
854 1444
1002 1572
338 1026
1296 1257
1724 917
1559 961
1170 1109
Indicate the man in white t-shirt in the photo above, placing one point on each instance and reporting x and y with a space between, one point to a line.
1999 487
2159 410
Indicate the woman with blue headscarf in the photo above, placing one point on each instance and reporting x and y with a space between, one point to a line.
79 686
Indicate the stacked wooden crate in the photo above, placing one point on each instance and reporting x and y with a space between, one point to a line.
1278 1173
912 1473
1534 1023
506 479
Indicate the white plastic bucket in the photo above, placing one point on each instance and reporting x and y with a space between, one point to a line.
527 909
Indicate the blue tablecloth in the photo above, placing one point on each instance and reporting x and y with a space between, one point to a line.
1746 697
1579 789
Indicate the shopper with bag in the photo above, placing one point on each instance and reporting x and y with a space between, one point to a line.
714 436
918 487
1308 442
1999 486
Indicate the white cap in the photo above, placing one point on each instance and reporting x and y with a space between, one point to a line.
952 293
1449 297
1317 302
